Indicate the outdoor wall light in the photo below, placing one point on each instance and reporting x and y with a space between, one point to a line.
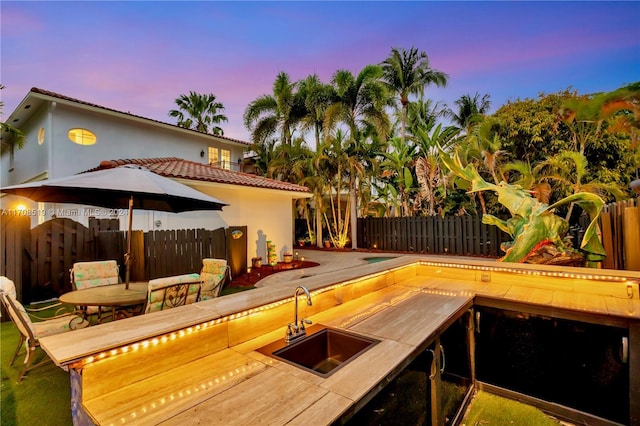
202 153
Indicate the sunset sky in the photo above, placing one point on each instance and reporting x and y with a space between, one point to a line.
138 57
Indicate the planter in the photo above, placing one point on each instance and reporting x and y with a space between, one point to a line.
327 244
256 262
301 243
287 257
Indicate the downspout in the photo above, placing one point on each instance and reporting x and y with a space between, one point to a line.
49 141
50 162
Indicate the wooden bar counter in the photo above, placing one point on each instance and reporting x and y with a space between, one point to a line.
198 364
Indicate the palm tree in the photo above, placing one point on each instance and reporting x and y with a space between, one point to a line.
263 154
359 104
483 149
361 156
424 114
10 137
268 114
569 169
429 172
288 161
407 72
199 112
337 162
361 100
397 165
470 110
316 97
317 180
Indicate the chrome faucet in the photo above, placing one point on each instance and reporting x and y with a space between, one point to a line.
295 331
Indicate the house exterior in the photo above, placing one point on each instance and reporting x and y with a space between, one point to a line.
65 136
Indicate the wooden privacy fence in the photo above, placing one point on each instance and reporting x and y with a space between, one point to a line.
162 253
467 235
38 260
460 235
620 226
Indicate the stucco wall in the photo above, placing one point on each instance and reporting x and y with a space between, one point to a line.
266 213
117 138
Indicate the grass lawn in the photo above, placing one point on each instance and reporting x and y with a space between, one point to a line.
43 398
487 409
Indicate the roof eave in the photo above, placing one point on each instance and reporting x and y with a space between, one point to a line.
293 193
36 94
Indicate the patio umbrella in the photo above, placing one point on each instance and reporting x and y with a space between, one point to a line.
129 186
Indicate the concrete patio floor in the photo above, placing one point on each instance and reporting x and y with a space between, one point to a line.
328 260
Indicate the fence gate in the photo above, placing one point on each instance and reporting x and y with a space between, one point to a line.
14 250
55 246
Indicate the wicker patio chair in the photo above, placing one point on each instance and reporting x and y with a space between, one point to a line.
171 292
32 331
213 274
93 274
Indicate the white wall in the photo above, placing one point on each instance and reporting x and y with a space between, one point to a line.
117 138
266 213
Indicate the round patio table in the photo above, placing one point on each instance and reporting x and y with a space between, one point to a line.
113 296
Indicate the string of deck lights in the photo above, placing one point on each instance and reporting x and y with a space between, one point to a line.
594 277
172 336
147 343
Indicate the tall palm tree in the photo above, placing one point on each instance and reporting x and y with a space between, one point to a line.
316 98
470 110
269 114
362 154
360 100
199 112
407 72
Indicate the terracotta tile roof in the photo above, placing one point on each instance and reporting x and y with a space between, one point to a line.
67 98
178 168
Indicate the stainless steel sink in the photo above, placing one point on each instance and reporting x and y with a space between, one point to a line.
323 352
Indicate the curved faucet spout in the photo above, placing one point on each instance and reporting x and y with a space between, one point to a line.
306 292
293 330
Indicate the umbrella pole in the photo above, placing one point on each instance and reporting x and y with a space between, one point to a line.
127 257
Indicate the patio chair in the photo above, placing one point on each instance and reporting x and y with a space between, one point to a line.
32 331
171 292
214 271
93 274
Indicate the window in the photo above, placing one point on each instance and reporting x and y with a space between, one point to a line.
82 136
225 159
41 136
213 156
220 158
